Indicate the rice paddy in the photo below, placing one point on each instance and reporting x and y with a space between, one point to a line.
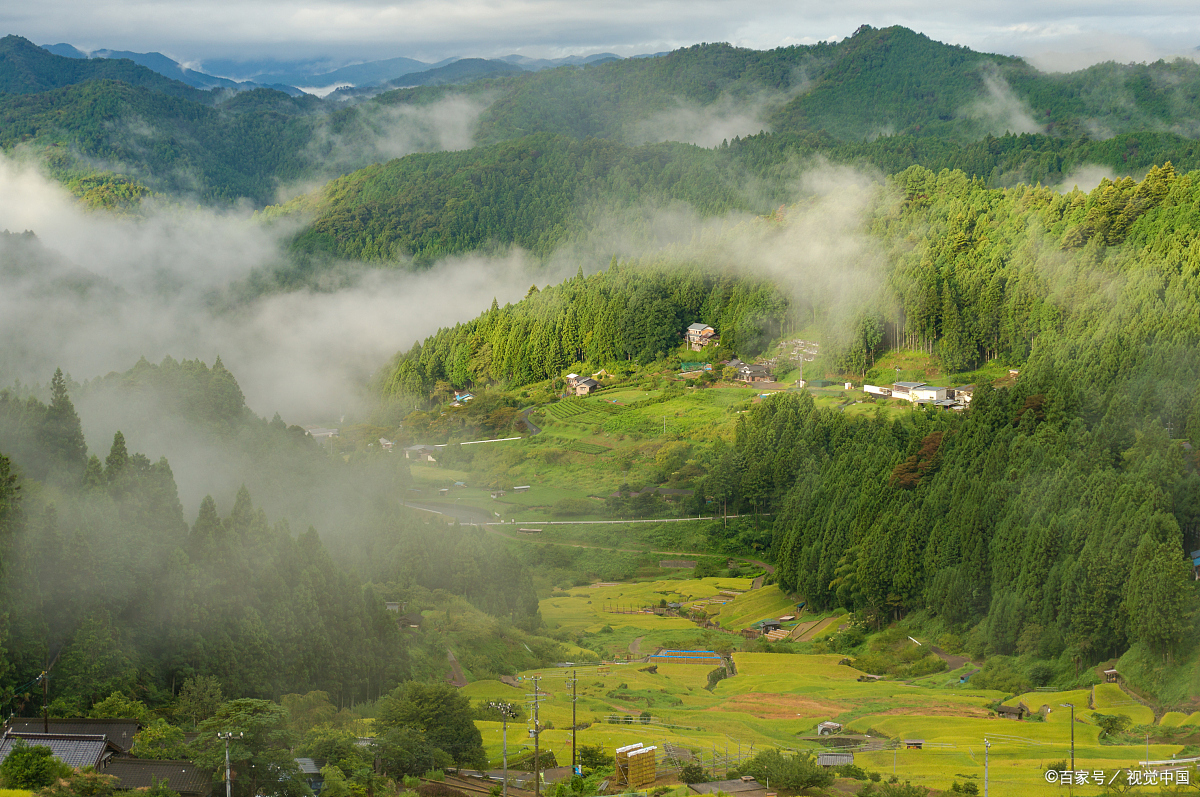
777 699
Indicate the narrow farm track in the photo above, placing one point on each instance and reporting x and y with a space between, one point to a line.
808 635
478 517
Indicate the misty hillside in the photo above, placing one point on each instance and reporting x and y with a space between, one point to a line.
535 192
542 192
891 85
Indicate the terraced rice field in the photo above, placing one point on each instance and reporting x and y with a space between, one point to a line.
778 699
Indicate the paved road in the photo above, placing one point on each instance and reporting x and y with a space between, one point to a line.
533 428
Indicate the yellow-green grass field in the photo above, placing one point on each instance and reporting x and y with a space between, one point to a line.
778 699
1176 719
14 793
583 608
761 604
1111 700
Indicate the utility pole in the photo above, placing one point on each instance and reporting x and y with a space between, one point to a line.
537 737
228 780
574 697
46 702
507 712
986 746
1072 707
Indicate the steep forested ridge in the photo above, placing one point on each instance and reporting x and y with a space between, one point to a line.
102 571
624 313
536 192
1058 510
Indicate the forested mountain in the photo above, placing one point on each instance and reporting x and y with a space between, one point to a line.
535 192
1058 510
100 570
26 68
894 85
876 82
541 192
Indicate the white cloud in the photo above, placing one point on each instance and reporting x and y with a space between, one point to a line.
1065 32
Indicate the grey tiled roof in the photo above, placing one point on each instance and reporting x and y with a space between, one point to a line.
118 731
73 749
139 773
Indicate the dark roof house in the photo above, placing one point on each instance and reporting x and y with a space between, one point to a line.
118 731
76 750
750 373
141 773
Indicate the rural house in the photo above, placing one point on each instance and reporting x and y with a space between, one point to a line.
585 386
183 777
320 433
119 732
77 750
927 393
421 453
750 373
700 335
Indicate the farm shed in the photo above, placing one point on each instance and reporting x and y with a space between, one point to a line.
828 728
421 453
834 759
1011 712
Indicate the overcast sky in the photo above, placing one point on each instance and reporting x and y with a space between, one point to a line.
1054 33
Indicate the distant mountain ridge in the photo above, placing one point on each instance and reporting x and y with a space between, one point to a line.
157 62
463 70
26 68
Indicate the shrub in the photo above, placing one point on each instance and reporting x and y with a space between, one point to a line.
1040 673
31 767
694 773
1111 725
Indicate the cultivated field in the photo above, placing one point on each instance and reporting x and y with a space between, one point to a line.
777 699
